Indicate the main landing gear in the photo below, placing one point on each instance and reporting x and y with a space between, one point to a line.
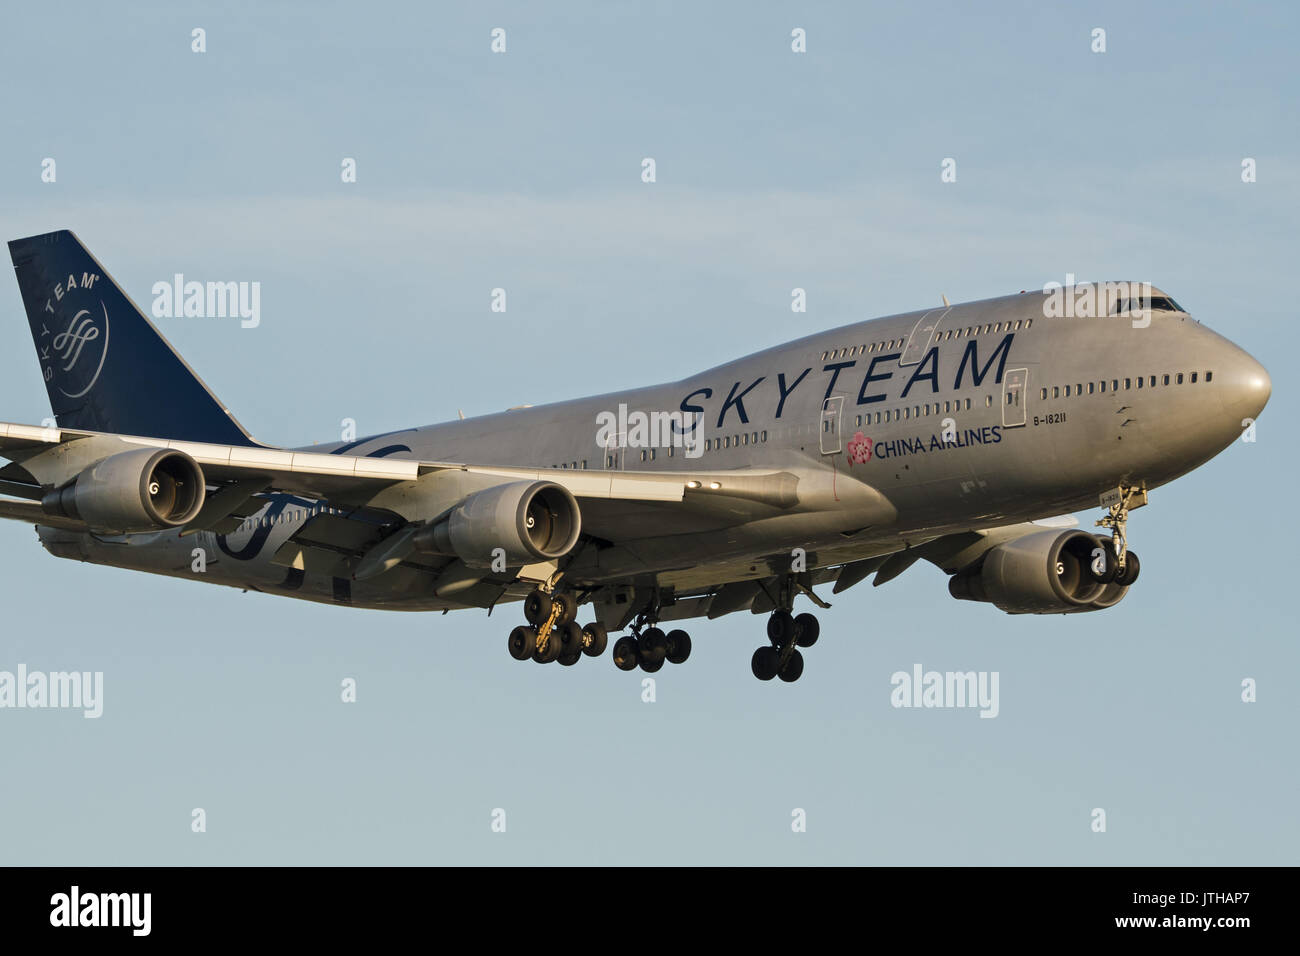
1120 565
552 634
786 633
648 647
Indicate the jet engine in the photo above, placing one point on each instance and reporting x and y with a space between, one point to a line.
1045 572
148 489
530 521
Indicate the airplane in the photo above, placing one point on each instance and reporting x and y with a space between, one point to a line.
957 435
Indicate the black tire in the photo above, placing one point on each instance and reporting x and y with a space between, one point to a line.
793 668
597 638
626 653
765 662
552 649
1132 567
570 636
651 665
1111 570
569 659
537 607
780 628
679 647
522 643
806 630
568 607
654 646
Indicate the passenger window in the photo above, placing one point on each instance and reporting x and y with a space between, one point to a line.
1179 378
1114 385
1056 391
764 434
1166 380
1103 385
1067 391
1091 387
1140 381
968 404
1028 323
1128 383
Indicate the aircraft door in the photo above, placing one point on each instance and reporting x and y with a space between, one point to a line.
923 334
1015 396
614 450
829 429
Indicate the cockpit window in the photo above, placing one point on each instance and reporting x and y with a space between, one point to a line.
1157 303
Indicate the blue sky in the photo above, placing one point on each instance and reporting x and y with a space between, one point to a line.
774 170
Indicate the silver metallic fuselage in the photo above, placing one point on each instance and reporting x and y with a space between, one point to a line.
935 464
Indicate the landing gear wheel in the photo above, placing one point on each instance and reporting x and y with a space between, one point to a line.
793 668
568 607
654 649
780 628
1110 564
806 630
569 659
1132 566
679 647
570 638
537 607
552 650
596 639
765 663
522 643
626 653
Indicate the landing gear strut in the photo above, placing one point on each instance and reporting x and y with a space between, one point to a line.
552 634
1120 565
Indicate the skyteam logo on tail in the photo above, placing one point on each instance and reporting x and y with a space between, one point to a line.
73 349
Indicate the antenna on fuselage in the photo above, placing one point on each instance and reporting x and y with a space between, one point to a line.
946 303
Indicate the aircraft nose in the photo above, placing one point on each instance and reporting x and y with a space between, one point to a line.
1248 387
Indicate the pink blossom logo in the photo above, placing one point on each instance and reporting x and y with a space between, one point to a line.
859 449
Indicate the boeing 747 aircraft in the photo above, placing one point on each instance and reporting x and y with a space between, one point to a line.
950 434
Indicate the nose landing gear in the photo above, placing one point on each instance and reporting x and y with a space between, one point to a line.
1119 564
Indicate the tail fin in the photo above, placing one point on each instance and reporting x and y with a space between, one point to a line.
105 366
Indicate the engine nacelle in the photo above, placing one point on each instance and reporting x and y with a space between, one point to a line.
149 489
530 521
1046 572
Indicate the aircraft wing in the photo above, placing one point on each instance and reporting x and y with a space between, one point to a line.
54 456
